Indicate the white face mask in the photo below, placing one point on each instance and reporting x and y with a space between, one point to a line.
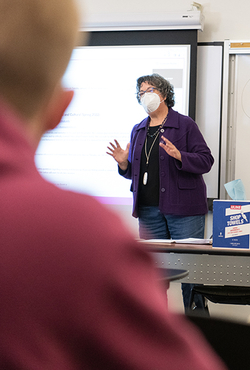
150 102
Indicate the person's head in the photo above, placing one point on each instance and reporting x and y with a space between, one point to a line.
36 42
163 86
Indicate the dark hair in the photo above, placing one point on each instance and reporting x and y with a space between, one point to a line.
161 84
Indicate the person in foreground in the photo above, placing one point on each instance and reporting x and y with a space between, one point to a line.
77 291
165 161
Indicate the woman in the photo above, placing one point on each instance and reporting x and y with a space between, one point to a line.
165 160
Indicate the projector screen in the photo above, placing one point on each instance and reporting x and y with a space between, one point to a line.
73 156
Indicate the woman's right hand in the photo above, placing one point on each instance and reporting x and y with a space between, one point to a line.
120 155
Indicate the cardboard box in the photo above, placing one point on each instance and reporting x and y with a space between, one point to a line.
231 224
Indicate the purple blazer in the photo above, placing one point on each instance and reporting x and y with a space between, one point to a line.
182 188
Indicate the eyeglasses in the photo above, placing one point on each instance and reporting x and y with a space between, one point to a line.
149 90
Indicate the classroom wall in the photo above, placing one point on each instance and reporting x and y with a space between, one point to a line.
224 19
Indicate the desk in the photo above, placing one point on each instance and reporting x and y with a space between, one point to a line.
172 274
206 265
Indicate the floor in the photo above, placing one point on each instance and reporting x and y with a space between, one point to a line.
234 312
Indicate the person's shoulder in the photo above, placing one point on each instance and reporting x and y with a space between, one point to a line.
141 124
75 219
56 198
56 203
182 117
185 122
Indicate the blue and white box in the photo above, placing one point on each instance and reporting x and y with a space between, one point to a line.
231 224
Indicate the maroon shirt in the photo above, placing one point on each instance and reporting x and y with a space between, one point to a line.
77 291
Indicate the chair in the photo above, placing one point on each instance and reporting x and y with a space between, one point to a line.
222 294
229 339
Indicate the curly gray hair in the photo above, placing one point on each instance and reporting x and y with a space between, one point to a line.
161 84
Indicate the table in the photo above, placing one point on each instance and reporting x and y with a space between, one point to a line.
206 265
172 274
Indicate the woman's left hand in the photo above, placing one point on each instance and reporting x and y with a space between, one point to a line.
170 148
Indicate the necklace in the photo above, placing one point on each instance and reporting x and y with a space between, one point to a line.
156 134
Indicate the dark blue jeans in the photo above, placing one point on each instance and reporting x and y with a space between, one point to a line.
155 225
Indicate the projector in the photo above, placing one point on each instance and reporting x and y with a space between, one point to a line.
191 19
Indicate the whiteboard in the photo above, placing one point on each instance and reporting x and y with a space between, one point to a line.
73 156
70 157
208 106
242 119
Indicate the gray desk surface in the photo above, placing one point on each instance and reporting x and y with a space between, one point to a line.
206 265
